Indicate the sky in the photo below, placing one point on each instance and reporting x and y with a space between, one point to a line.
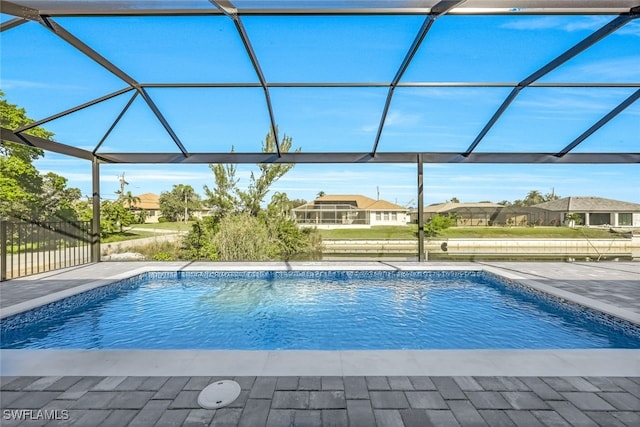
45 75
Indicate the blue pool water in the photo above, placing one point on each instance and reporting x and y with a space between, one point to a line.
314 310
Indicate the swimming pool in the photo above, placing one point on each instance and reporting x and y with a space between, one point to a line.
321 310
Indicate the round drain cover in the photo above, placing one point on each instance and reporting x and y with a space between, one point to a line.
219 394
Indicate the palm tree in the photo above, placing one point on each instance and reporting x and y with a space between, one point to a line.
130 200
321 194
280 203
533 198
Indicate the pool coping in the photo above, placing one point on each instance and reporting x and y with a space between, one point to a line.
599 362
593 362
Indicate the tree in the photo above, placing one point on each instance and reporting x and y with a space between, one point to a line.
20 182
58 202
321 194
179 203
227 197
551 196
533 198
20 185
269 174
24 193
287 239
574 219
438 223
454 200
223 197
280 204
240 230
113 217
130 200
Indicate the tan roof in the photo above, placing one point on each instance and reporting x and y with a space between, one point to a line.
148 201
362 202
449 206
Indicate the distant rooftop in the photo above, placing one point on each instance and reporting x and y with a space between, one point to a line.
361 202
447 206
588 204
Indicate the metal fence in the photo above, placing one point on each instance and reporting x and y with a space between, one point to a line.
37 247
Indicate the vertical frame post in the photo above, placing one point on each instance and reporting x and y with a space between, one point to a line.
421 254
95 223
4 252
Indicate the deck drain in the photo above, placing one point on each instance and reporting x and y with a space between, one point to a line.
219 394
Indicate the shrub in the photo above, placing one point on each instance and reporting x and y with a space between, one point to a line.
159 250
437 224
198 243
241 238
163 256
289 240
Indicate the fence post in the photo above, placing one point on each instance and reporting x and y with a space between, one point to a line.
4 252
95 222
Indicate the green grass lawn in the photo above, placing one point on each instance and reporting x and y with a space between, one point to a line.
136 234
376 232
127 235
409 232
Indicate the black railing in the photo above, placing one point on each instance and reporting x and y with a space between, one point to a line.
37 247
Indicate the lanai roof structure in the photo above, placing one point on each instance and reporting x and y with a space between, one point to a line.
398 53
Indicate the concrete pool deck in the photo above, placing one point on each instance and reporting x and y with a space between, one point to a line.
483 387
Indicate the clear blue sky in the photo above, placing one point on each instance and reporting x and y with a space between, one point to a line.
45 75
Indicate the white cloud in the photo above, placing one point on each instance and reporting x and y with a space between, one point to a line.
584 23
617 69
631 29
394 118
571 101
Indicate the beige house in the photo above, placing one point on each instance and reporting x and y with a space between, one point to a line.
349 211
150 204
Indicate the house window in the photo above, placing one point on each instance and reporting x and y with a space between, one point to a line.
599 218
625 219
386 216
394 216
378 216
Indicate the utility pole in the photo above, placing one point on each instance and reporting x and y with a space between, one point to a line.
122 185
184 190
